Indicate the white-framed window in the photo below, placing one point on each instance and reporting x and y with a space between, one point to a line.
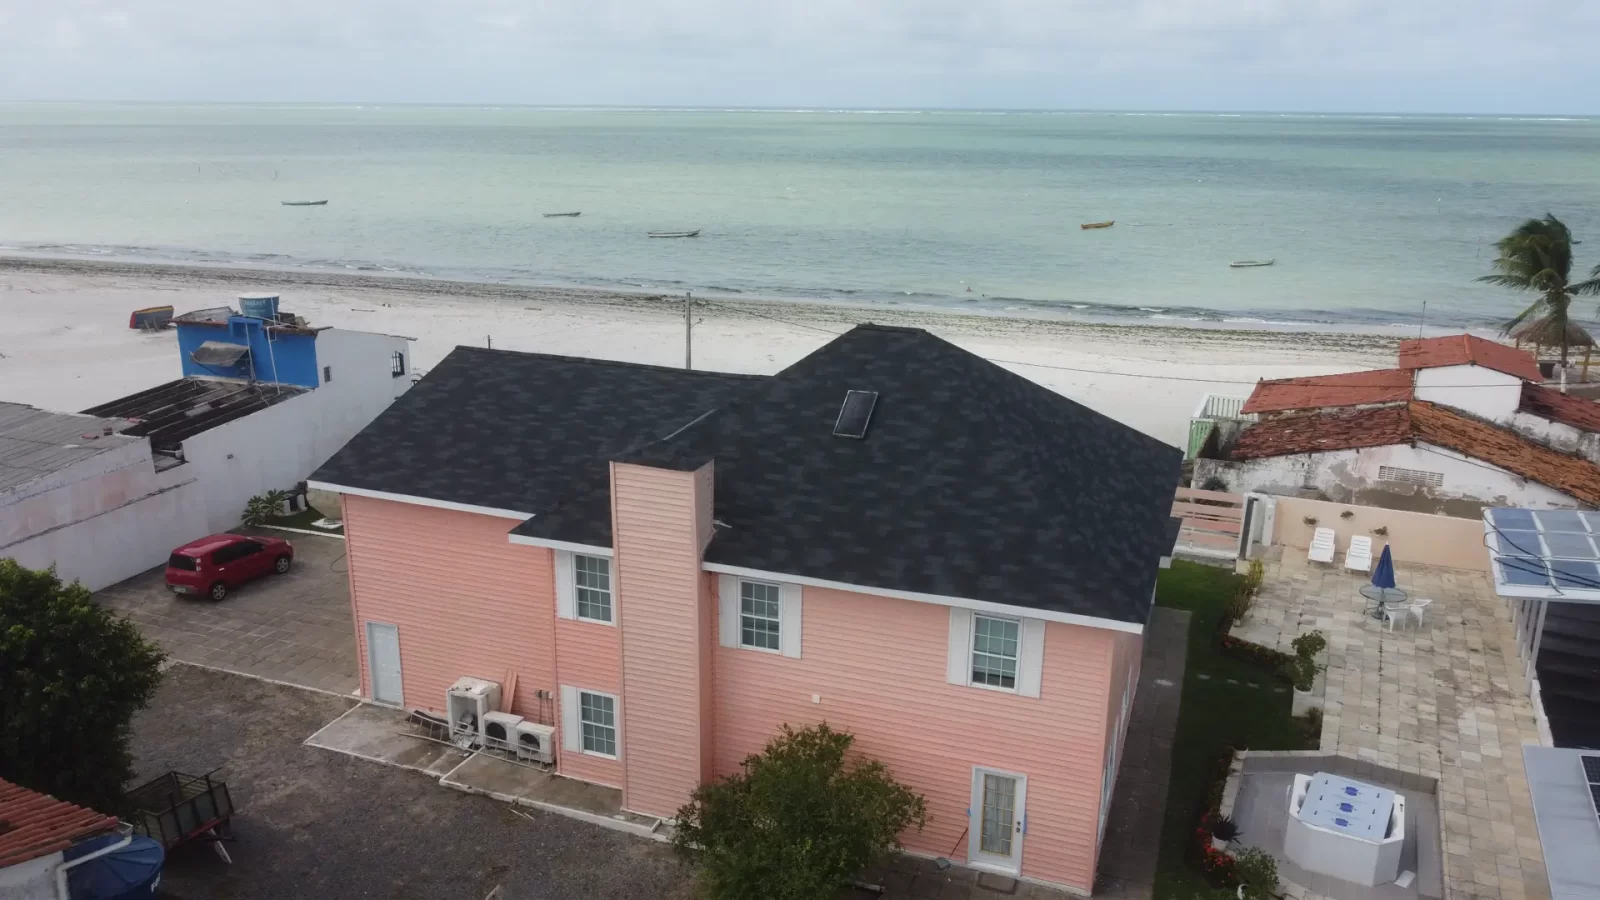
996 643
585 589
597 716
760 615
591 581
993 652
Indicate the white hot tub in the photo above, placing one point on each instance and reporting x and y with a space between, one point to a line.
1345 829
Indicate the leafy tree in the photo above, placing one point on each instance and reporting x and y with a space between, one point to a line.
1537 256
797 822
72 675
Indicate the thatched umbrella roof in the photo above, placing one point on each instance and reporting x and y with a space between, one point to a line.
1546 333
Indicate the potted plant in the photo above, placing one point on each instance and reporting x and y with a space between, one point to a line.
1257 872
1302 670
1311 521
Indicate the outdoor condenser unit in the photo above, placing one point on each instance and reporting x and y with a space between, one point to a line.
535 742
499 729
466 704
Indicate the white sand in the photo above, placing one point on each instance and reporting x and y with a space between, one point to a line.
65 342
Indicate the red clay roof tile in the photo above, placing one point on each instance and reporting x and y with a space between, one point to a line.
34 824
1551 404
1428 423
1466 350
1344 389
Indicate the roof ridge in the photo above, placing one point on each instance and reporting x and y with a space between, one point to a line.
599 361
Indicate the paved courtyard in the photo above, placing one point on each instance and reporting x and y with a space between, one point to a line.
1447 701
293 627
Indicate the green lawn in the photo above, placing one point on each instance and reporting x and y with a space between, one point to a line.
1225 702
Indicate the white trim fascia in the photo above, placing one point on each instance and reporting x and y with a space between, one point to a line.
585 549
1003 609
420 501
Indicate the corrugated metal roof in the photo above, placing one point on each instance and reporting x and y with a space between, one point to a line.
34 824
1569 833
36 442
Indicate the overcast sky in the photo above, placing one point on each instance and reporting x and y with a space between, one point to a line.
1523 56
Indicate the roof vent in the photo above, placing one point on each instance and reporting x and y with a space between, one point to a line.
855 414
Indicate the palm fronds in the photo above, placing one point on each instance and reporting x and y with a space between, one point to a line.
1537 256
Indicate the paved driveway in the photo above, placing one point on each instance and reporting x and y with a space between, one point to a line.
294 628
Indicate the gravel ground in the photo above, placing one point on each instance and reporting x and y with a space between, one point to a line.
313 823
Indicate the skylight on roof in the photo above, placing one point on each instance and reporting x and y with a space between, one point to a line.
855 414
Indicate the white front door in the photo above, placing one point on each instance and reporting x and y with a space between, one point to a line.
383 662
999 803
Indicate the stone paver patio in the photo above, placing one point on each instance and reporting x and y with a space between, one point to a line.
293 628
1447 701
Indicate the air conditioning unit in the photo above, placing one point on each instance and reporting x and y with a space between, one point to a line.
535 742
499 729
466 704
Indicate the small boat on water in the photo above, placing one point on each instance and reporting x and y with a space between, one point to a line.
1250 263
1088 225
571 215
667 234
304 202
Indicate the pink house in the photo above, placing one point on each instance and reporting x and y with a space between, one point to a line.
892 535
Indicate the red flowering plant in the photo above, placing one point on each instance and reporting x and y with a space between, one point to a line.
1218 866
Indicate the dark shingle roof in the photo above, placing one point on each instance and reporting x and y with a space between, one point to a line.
971 482
521 431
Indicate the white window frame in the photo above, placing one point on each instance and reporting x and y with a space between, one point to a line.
972 655
566 575
1030 653
730 615
572 721
578 589
776 620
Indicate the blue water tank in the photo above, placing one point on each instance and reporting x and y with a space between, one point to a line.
259 306
132 872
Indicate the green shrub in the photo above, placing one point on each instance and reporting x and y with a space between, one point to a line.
261 507
797 822
1308 645
1257 871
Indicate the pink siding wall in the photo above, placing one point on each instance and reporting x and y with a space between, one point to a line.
589 655
465 600
878 666
659 599
1127 650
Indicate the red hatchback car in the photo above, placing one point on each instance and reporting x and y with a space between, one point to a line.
214 565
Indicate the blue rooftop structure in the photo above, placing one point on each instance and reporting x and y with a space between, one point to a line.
263 346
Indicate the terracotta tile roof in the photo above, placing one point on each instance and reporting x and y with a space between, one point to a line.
34 824
1558 407
1345 389
1466 350
1429 423
1338 430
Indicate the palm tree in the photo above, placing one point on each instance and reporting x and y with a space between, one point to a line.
1537 256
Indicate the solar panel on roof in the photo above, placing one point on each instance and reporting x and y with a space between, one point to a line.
855 414
1517 519
1575 573
1564 545
1523 570
1560 520
1591 768
1525 543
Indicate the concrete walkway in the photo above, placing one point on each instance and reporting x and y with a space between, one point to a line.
293 628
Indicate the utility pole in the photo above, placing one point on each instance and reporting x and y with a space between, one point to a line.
688 326
1422 321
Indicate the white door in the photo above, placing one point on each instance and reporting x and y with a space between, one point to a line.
999 802
383 662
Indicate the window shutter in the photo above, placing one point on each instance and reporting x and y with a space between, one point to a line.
571 728
566 594
958 664
789 622
728 610
1030 658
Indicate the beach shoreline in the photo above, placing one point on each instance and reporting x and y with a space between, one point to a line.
65 342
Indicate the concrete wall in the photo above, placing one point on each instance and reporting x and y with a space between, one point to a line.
277 447
1482 392
102 482
1558 435
1412 538
119 543
1352 476
32 880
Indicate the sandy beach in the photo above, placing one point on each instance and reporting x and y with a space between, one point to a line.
65 342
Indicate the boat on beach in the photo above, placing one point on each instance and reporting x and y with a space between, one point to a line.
1250 263
1088 225
304 202
671 234
571 215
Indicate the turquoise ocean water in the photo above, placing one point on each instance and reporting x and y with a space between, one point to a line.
1366 216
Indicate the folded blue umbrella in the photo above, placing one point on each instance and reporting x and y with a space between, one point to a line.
1383 575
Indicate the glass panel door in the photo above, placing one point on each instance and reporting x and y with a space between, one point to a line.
998 806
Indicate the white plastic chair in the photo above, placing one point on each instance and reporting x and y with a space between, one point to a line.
1394 613
1419 605
1359 556
1321 549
